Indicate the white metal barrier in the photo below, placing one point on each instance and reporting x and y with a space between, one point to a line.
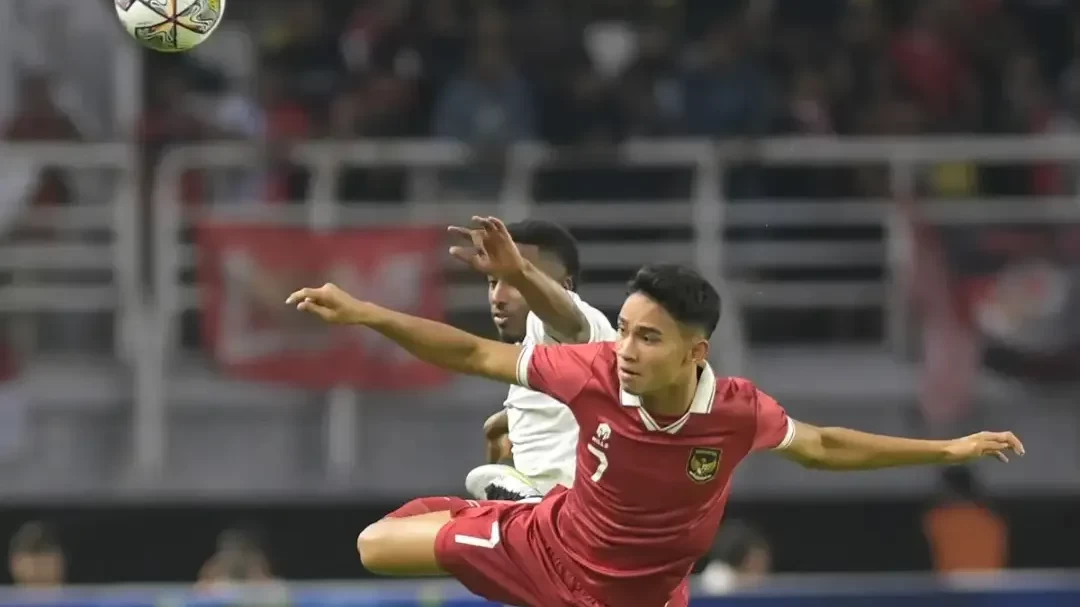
118 214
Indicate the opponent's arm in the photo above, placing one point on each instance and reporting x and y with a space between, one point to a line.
551 302
496 431
494 253
433 342
834 448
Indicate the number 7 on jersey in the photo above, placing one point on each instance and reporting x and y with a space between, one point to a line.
601 462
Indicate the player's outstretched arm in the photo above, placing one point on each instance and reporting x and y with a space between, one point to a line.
494 253
430 341
552 304
846 449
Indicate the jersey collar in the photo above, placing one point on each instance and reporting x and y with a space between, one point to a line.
703 397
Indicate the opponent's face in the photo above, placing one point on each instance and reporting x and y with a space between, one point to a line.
508 308
654 351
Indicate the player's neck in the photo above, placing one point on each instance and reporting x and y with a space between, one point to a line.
674 400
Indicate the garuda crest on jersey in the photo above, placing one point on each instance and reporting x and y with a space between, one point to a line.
703 464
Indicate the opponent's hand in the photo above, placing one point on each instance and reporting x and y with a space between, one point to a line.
984 444
329 303
492 250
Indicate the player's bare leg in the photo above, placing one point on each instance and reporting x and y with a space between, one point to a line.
402 546
403 543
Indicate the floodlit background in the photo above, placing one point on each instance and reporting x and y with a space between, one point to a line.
886 189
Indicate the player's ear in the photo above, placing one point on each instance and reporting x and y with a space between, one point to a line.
699 351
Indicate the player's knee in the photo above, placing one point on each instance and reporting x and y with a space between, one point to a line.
372 544
403 543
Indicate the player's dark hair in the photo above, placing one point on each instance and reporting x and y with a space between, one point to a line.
552 239
682 292
34 537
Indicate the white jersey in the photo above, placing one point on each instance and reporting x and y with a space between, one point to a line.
543 431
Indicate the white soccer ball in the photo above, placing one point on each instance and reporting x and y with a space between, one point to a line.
170 26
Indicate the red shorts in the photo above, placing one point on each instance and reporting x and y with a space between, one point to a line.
496 552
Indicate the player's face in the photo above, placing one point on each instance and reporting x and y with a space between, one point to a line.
653 350
508 308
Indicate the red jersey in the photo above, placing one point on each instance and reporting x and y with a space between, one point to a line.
650 493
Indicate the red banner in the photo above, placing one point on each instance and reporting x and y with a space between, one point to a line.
246 272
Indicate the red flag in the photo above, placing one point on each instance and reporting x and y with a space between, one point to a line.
247 271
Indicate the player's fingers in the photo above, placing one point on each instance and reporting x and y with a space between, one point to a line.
1001 456
462 253
1014 443
300 295
500 227
501 233
1006 440
312 307
496 235
473 235
487 238
486 225
461 231
467 255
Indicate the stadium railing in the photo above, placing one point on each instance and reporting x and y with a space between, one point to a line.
1016 589
147 314
74 268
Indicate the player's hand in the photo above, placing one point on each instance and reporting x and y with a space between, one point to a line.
329 303
984 444
491 250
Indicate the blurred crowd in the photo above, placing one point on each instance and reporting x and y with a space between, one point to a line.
588 74
37 559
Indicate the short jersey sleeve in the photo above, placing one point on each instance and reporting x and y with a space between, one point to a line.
559 371
774 430
600 328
